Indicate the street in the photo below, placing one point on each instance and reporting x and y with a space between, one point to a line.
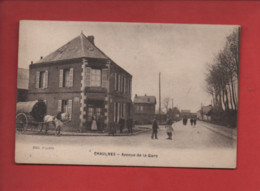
184 137
197 146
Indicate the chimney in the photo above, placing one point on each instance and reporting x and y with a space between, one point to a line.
91 39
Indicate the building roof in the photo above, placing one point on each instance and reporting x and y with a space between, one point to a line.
145 99
185 111
22 78
79 47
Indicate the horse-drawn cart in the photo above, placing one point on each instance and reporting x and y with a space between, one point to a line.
30 114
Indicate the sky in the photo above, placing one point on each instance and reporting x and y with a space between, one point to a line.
180 52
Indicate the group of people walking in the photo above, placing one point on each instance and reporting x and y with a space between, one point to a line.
193 121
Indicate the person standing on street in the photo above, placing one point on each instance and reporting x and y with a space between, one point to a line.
195 121
169 129
191 121
155 128
130 125
121 124
94 124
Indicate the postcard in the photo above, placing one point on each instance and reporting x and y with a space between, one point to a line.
127 94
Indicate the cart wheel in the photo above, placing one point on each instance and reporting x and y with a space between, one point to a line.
21 122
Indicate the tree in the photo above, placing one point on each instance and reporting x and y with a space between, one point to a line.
166 103
222 75
222 79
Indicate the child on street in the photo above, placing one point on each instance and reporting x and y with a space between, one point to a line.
169 129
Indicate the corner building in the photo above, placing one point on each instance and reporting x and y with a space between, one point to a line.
81 80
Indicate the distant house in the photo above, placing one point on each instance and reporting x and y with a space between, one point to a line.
199 114
79 79
205 113
22 84
144 109
185 113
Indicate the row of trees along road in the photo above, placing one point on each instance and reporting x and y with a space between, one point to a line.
222 81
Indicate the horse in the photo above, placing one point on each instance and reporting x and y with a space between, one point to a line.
56 121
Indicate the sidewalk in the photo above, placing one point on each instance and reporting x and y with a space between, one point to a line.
225 131
51 131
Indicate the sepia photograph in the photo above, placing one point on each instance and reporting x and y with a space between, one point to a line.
127 94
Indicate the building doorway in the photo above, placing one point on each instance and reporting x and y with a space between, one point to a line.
95 110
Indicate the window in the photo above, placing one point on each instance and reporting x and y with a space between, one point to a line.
139 108
95 78
90 113
116 81
42 79
66 77
122 110
129 86
98 112
115 112
65 106
119 82
118 111
123 84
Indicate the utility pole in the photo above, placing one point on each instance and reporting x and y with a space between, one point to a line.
172 103
160 95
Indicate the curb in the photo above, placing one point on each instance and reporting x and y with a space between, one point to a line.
234 137
84 134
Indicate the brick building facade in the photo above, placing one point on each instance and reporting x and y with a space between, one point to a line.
81 80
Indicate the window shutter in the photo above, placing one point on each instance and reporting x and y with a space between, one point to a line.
87 76
37 80
46 79
70 108
59 105
119 82
61 78
105 78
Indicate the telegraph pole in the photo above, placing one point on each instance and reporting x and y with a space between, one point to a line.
160 95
